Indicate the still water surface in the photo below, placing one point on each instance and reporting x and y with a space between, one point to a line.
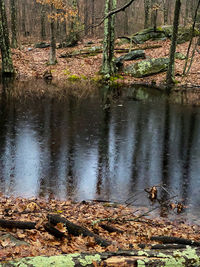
84 149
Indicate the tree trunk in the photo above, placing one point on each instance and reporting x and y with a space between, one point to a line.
52 56
86 17
13 23
165 11
179 257
108 66
146 13
93 18
7 64
24 18
170 71
42 20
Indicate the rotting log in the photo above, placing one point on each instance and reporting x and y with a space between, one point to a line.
89 52
181 258
110 228
17 224
175 240
77 230
53 231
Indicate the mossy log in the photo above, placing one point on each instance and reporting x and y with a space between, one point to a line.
187 257
93 51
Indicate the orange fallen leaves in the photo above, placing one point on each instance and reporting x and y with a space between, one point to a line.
39 242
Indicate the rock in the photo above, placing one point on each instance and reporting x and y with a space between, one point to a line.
163 32
42 45
132 55
148 34
147 67
180 56
13 239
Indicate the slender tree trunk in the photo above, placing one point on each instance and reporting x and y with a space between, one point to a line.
186 12
146 13
165 11
86 17
24 18
170 71
42 20
93 17
13 23
7 64
108 66
52 56
125 20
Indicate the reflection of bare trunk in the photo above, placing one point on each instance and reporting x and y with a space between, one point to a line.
137 150
188 156
165 163
103 152
71 178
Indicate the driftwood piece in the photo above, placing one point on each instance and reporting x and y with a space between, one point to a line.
17 224
53 231
110 229
175 240
179 258
77 230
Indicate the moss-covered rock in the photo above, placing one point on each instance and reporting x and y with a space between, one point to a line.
132 55
147 67
180 56
163 32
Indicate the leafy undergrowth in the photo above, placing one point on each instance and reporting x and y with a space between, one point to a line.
135 229
32 62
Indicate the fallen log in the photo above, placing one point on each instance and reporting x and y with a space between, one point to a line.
85 52
53 231
175 240
162 246
17 224
77 230
110 229
181 258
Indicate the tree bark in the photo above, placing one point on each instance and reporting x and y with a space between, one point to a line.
146 13
108 65
7 64
170 71
179 257
17 224
52 56
13 23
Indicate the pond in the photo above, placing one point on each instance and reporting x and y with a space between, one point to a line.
104 146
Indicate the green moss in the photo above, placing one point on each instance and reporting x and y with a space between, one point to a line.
90 259
74 78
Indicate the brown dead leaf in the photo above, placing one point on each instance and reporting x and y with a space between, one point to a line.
61 227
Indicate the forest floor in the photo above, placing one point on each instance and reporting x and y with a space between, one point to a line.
31 62
132 229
